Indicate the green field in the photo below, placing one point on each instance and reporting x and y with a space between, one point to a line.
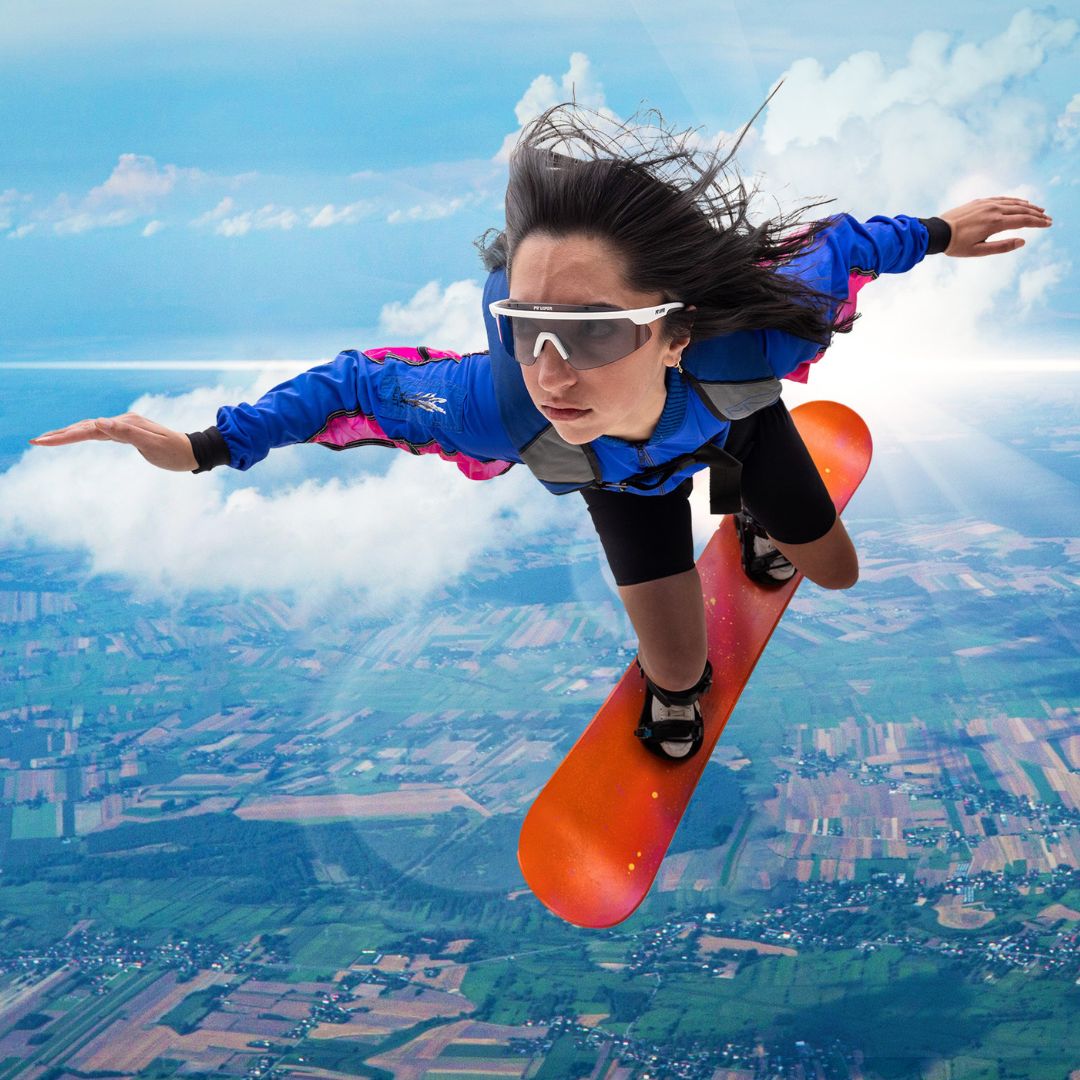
342 1055
733 850
983 773
35 822
477 1050
334 946
185 1016
606 951
1037 776
566 1060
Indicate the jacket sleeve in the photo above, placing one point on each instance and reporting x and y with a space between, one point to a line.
846 257
421 400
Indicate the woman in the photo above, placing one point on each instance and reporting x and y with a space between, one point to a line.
638 326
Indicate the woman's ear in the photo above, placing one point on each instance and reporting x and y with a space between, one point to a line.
675 350
676 345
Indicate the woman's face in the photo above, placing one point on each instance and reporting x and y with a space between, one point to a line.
624 398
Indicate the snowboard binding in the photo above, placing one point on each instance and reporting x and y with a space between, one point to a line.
761 559
671 725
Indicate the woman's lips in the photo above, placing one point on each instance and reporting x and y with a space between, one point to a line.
563 414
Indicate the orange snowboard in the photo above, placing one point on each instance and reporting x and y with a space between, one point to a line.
596 834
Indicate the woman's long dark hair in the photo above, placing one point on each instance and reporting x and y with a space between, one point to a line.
666 208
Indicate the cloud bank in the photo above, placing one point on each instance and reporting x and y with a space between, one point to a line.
950 125
371 543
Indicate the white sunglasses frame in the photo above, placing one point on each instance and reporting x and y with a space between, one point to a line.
640 316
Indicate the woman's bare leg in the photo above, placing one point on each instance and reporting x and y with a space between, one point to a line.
668 614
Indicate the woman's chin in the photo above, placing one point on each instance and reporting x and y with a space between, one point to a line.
575 434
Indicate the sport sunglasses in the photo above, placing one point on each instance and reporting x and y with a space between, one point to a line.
586 337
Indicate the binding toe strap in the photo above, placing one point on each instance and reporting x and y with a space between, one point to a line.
672 730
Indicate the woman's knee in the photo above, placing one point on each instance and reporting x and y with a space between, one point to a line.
838 577
830 561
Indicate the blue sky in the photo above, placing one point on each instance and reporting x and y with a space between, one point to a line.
215 181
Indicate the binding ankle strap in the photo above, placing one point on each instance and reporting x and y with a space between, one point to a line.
683 697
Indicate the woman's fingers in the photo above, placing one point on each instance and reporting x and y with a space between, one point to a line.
100 428
1014 199
78 432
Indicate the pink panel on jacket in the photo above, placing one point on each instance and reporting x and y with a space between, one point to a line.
410 356
855 283
343 431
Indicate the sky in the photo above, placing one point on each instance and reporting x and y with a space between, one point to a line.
234 180
209 183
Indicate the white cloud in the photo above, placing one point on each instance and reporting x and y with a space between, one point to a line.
841 133
340 215
266 217
577 83
390 539
79 221
432 209
444 319
814 105
152 227
948 126
228 221
21 231
1035 283
7 199
1067 131
132 190
137 179
223 209
867 133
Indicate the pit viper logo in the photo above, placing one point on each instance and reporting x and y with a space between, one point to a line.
428 401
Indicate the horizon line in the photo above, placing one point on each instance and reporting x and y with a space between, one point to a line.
1011 364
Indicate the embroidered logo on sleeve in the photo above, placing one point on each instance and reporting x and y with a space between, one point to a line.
428 401
422 399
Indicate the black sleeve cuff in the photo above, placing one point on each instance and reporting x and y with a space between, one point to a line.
210 449
940 234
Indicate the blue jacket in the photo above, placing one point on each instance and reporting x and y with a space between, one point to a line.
473 409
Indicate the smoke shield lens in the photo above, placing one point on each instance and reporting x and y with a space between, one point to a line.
590 343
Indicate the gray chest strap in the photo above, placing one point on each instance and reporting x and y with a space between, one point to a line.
564 467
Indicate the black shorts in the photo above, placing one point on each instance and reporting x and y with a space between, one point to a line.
649 536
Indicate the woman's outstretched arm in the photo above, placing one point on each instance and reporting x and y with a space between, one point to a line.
421 400
854 253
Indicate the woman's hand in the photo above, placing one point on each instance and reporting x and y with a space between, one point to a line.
973 222
160 446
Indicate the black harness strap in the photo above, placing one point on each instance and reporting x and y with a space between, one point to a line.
725 475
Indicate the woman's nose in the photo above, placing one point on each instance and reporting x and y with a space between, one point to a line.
552 370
